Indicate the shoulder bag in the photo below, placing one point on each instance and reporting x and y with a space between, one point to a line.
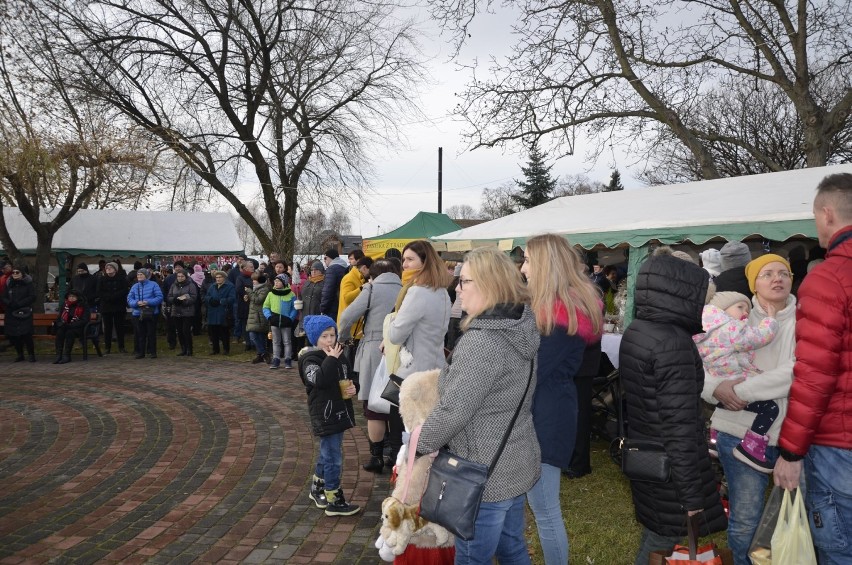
642 460
454 492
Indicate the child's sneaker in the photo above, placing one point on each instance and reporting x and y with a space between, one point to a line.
317 493
276 362
337 505
752 452
288 364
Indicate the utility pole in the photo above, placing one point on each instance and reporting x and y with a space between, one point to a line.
440 176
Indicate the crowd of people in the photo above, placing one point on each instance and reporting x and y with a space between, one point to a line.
512 342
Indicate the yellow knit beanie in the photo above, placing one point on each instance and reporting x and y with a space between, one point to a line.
754 267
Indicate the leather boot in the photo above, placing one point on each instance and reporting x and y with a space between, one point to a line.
376 463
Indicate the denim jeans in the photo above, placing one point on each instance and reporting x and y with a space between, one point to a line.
746 495
259 341
499 533
652 541
828 473
282 336
544 501
330 460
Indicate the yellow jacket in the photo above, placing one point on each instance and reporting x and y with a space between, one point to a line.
350 288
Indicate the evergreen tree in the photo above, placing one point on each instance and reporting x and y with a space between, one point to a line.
614 182
538 185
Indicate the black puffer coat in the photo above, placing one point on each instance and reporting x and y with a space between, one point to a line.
321 373
663 377
112 292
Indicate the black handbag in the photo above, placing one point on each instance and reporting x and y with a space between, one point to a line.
391 392
455 487
642 460
22 313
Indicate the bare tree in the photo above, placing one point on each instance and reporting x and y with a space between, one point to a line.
575 185
462 212
285 92
58 152
758 114
498 202
315 224
617 72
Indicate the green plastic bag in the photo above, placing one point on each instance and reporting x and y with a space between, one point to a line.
791 542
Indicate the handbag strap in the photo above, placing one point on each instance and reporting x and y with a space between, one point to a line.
412 452
512 423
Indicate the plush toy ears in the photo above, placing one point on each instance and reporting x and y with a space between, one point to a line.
394 512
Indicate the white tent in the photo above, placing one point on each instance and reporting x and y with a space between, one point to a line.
772 206
132 232
775 206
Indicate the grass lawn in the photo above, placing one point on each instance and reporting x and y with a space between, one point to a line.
598 513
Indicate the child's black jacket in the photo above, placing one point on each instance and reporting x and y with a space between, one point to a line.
320 373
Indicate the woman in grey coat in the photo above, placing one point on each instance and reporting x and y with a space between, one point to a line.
490 376
379 295
421 321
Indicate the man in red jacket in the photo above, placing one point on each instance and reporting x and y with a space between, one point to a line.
817 433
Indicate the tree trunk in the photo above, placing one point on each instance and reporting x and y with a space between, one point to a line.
44 247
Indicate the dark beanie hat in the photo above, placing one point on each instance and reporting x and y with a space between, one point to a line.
332 253
315 325
318 266
734 254
83 266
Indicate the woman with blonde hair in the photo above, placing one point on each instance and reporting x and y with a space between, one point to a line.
490 377
422 317
569 316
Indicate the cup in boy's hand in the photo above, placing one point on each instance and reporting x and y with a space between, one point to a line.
346 388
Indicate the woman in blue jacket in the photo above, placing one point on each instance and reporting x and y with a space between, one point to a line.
569 316
220 300
145 298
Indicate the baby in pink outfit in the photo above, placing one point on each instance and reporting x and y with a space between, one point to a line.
727 348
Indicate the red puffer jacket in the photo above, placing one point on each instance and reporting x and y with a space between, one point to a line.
821 395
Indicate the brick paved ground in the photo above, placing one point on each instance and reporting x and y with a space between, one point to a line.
169 460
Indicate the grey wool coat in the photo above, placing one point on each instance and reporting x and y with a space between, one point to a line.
381 295
420 326
479 391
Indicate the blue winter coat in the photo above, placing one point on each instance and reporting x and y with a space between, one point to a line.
146 290
219 300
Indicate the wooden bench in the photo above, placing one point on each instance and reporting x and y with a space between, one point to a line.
91 331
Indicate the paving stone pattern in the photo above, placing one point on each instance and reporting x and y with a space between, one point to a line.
170 460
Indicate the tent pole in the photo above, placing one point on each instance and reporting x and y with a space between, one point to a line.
635 257
60 277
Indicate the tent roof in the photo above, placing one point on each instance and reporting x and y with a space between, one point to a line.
424 224
775 206
133 232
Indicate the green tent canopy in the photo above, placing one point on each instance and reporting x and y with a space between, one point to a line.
422 226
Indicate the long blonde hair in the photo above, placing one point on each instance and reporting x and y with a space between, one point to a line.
557 276
497 279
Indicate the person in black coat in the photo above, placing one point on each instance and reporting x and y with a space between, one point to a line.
70 324
663 377
735 256
86 285
18 298
112 293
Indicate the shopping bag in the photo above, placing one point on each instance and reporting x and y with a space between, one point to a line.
760 550
692 554
391 350
791 542
380 380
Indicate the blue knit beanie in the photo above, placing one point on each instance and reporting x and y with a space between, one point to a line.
316 325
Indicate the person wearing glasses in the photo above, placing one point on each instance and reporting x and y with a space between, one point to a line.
770 279
18 298
488 380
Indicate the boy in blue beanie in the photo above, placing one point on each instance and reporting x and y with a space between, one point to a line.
330 384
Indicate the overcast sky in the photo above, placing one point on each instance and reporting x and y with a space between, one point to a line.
407 181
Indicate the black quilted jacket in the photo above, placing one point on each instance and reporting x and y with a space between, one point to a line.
663 376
